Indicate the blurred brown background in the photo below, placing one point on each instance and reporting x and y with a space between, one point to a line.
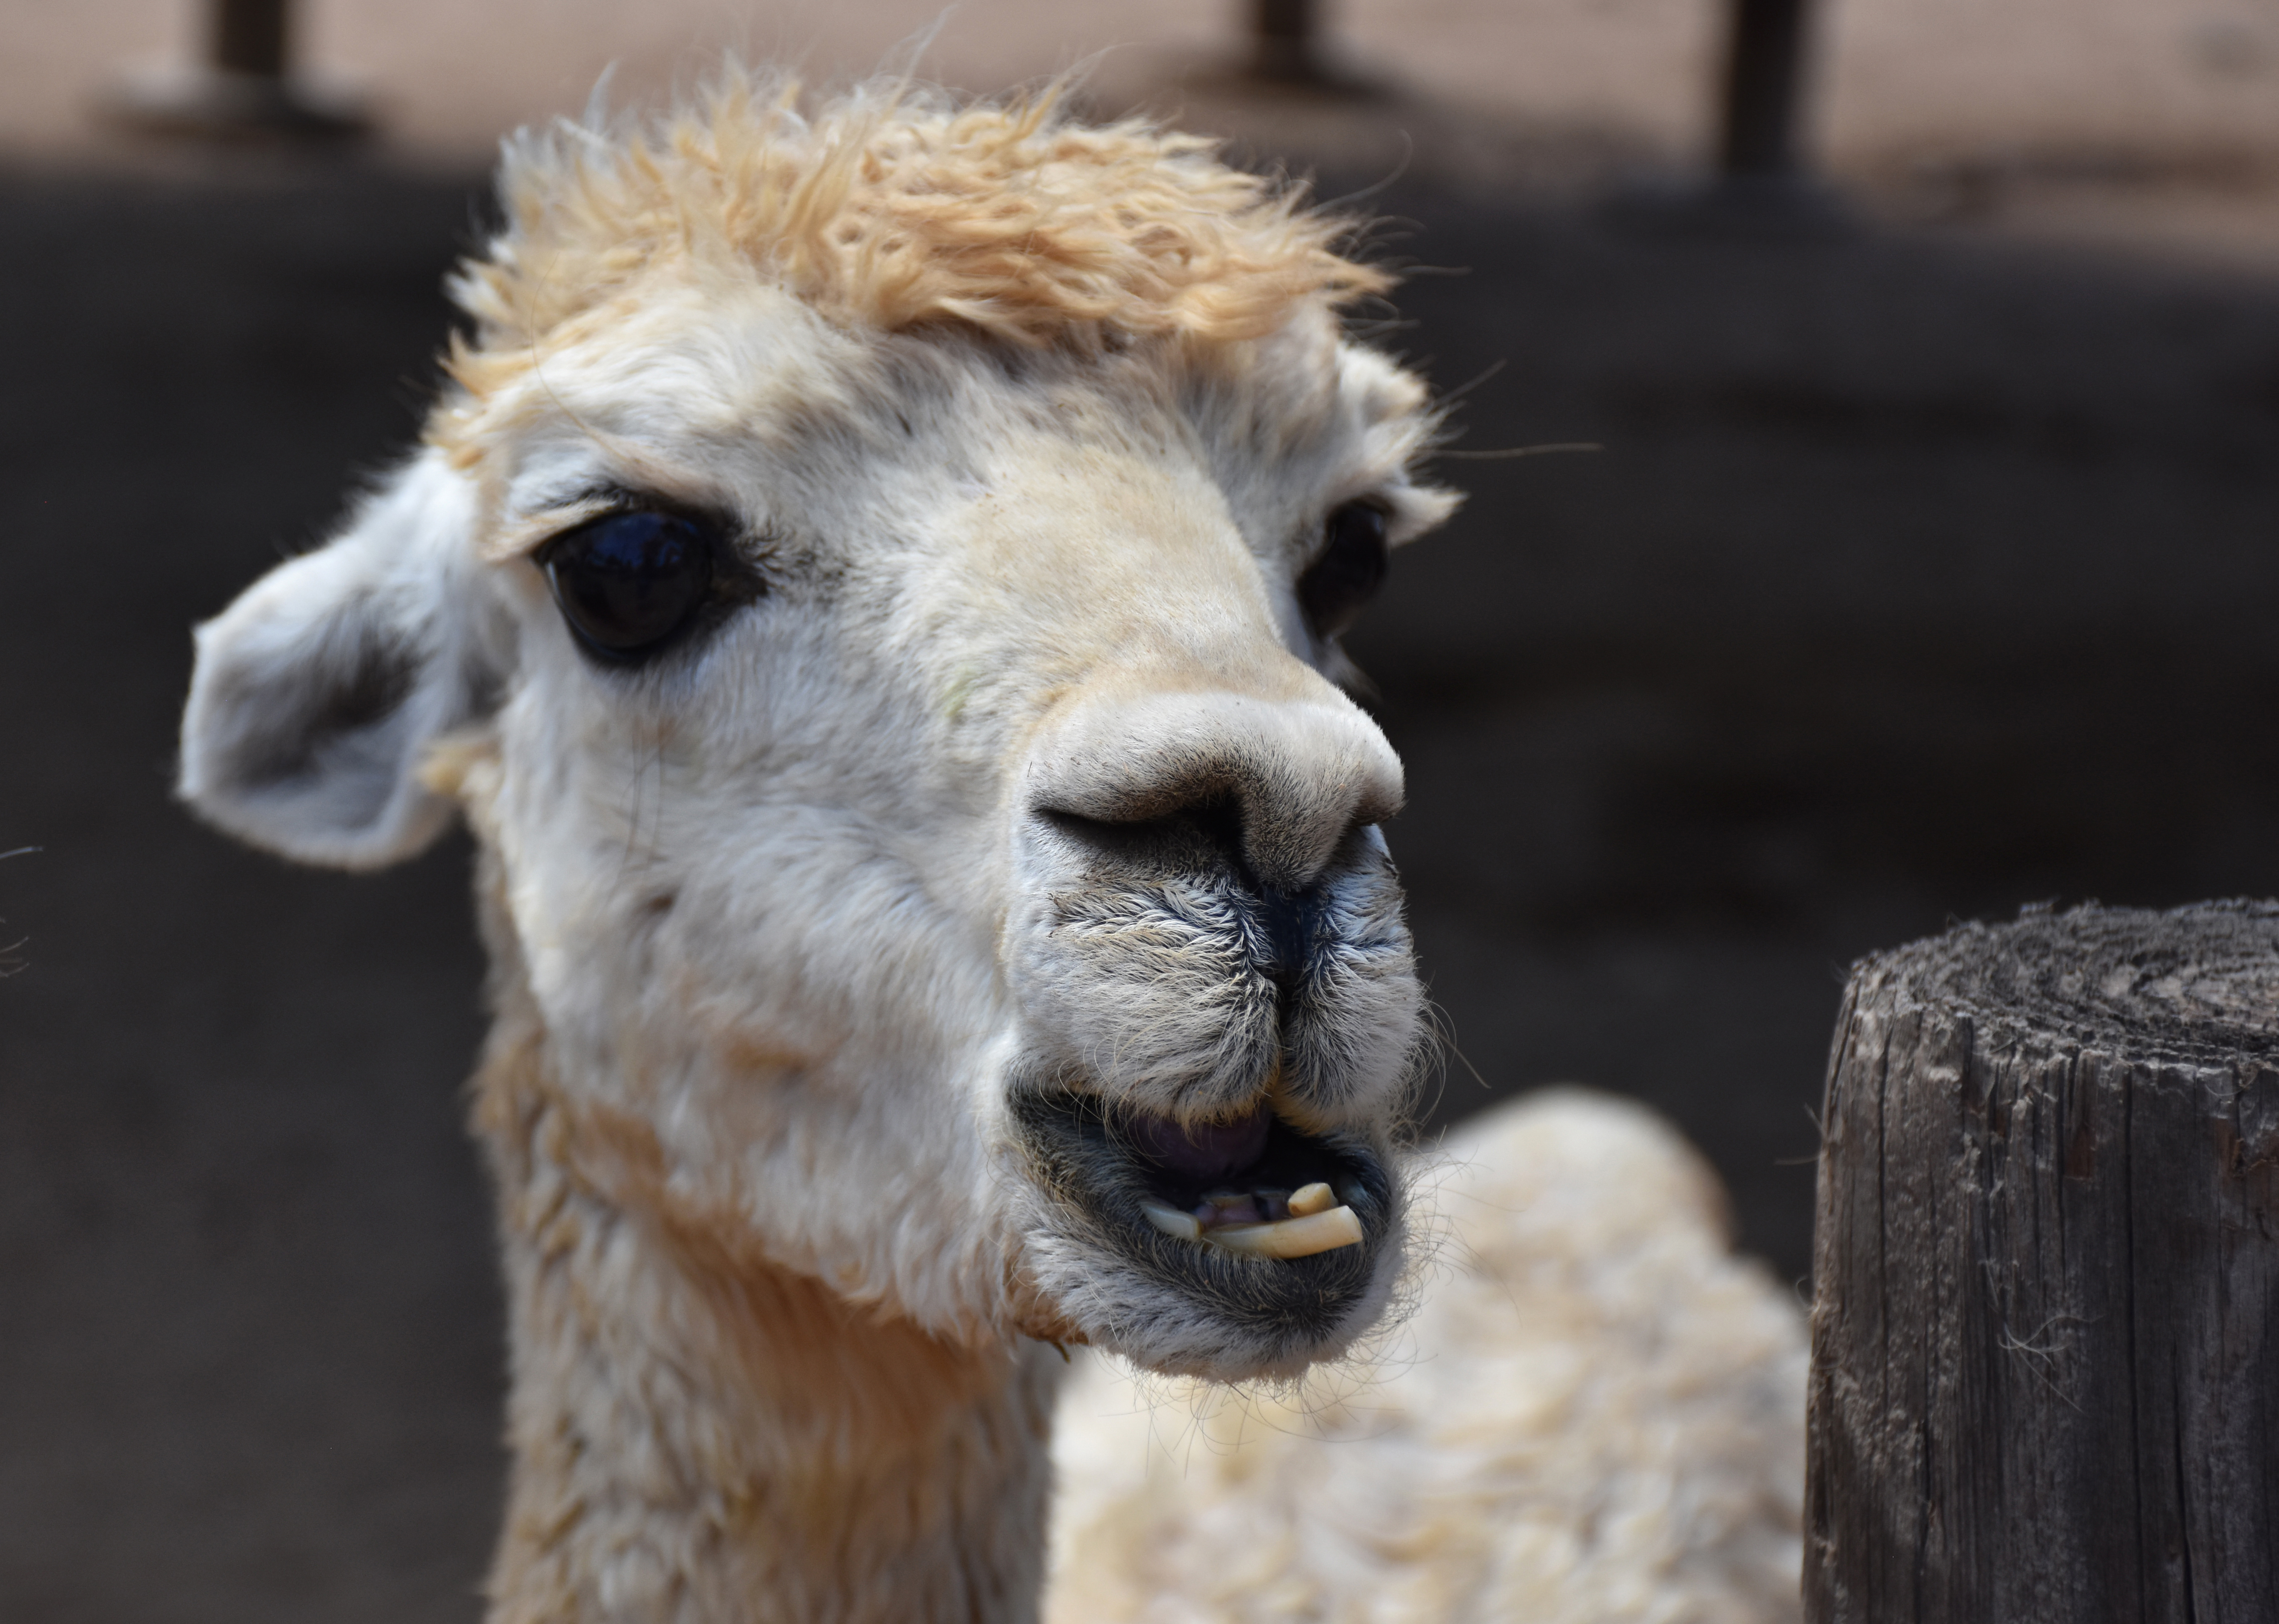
1928 569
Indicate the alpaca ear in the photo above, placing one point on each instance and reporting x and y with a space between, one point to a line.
317 692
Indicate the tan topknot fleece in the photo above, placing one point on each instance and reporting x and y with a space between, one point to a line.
890 207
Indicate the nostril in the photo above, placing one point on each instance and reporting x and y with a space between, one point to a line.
1273 789
1205 838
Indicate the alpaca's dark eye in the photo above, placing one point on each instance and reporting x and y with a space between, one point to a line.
1348 572
628 582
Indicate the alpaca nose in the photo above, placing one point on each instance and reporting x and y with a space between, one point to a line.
1273 785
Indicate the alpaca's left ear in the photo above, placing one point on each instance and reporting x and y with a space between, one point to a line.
317 692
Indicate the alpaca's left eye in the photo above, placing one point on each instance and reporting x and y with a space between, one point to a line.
629 583
1348 572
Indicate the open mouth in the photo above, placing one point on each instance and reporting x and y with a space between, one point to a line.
1242 1186
1268 1226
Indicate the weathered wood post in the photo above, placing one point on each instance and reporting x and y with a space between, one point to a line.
2046 1331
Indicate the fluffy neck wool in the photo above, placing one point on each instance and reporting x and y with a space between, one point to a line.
701 1435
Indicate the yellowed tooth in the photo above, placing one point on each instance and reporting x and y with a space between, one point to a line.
1307 1199
1171 1220
1292 1237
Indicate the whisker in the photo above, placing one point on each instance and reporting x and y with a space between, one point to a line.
1555 448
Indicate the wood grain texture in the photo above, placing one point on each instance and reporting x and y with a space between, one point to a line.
2045 1332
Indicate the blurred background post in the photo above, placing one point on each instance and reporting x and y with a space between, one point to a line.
1283 41
243 86
1764 77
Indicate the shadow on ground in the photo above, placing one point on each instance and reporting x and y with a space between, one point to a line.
1918 579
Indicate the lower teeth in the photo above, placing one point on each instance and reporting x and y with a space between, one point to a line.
1317 1226
1291 1237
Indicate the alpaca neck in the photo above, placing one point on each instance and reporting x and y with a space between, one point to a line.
701 1435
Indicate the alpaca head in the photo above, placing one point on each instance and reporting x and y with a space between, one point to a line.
874 587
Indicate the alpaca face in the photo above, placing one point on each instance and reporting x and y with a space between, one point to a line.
927 826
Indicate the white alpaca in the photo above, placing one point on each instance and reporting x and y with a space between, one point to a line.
873 589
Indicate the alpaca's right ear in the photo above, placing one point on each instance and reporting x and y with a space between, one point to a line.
317 692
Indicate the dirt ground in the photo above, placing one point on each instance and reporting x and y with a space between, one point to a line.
1926 570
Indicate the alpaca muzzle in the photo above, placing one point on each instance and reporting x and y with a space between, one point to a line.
1220 1013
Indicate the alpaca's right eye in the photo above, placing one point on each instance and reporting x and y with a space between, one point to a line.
629 583
1349 571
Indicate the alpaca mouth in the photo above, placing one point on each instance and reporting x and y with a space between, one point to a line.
1242 1187
1255 1223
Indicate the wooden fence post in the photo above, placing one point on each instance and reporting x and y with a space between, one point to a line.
2045 1329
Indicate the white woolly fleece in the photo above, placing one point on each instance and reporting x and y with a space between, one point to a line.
1596 1416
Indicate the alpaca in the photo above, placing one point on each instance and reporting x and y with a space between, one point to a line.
873 586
